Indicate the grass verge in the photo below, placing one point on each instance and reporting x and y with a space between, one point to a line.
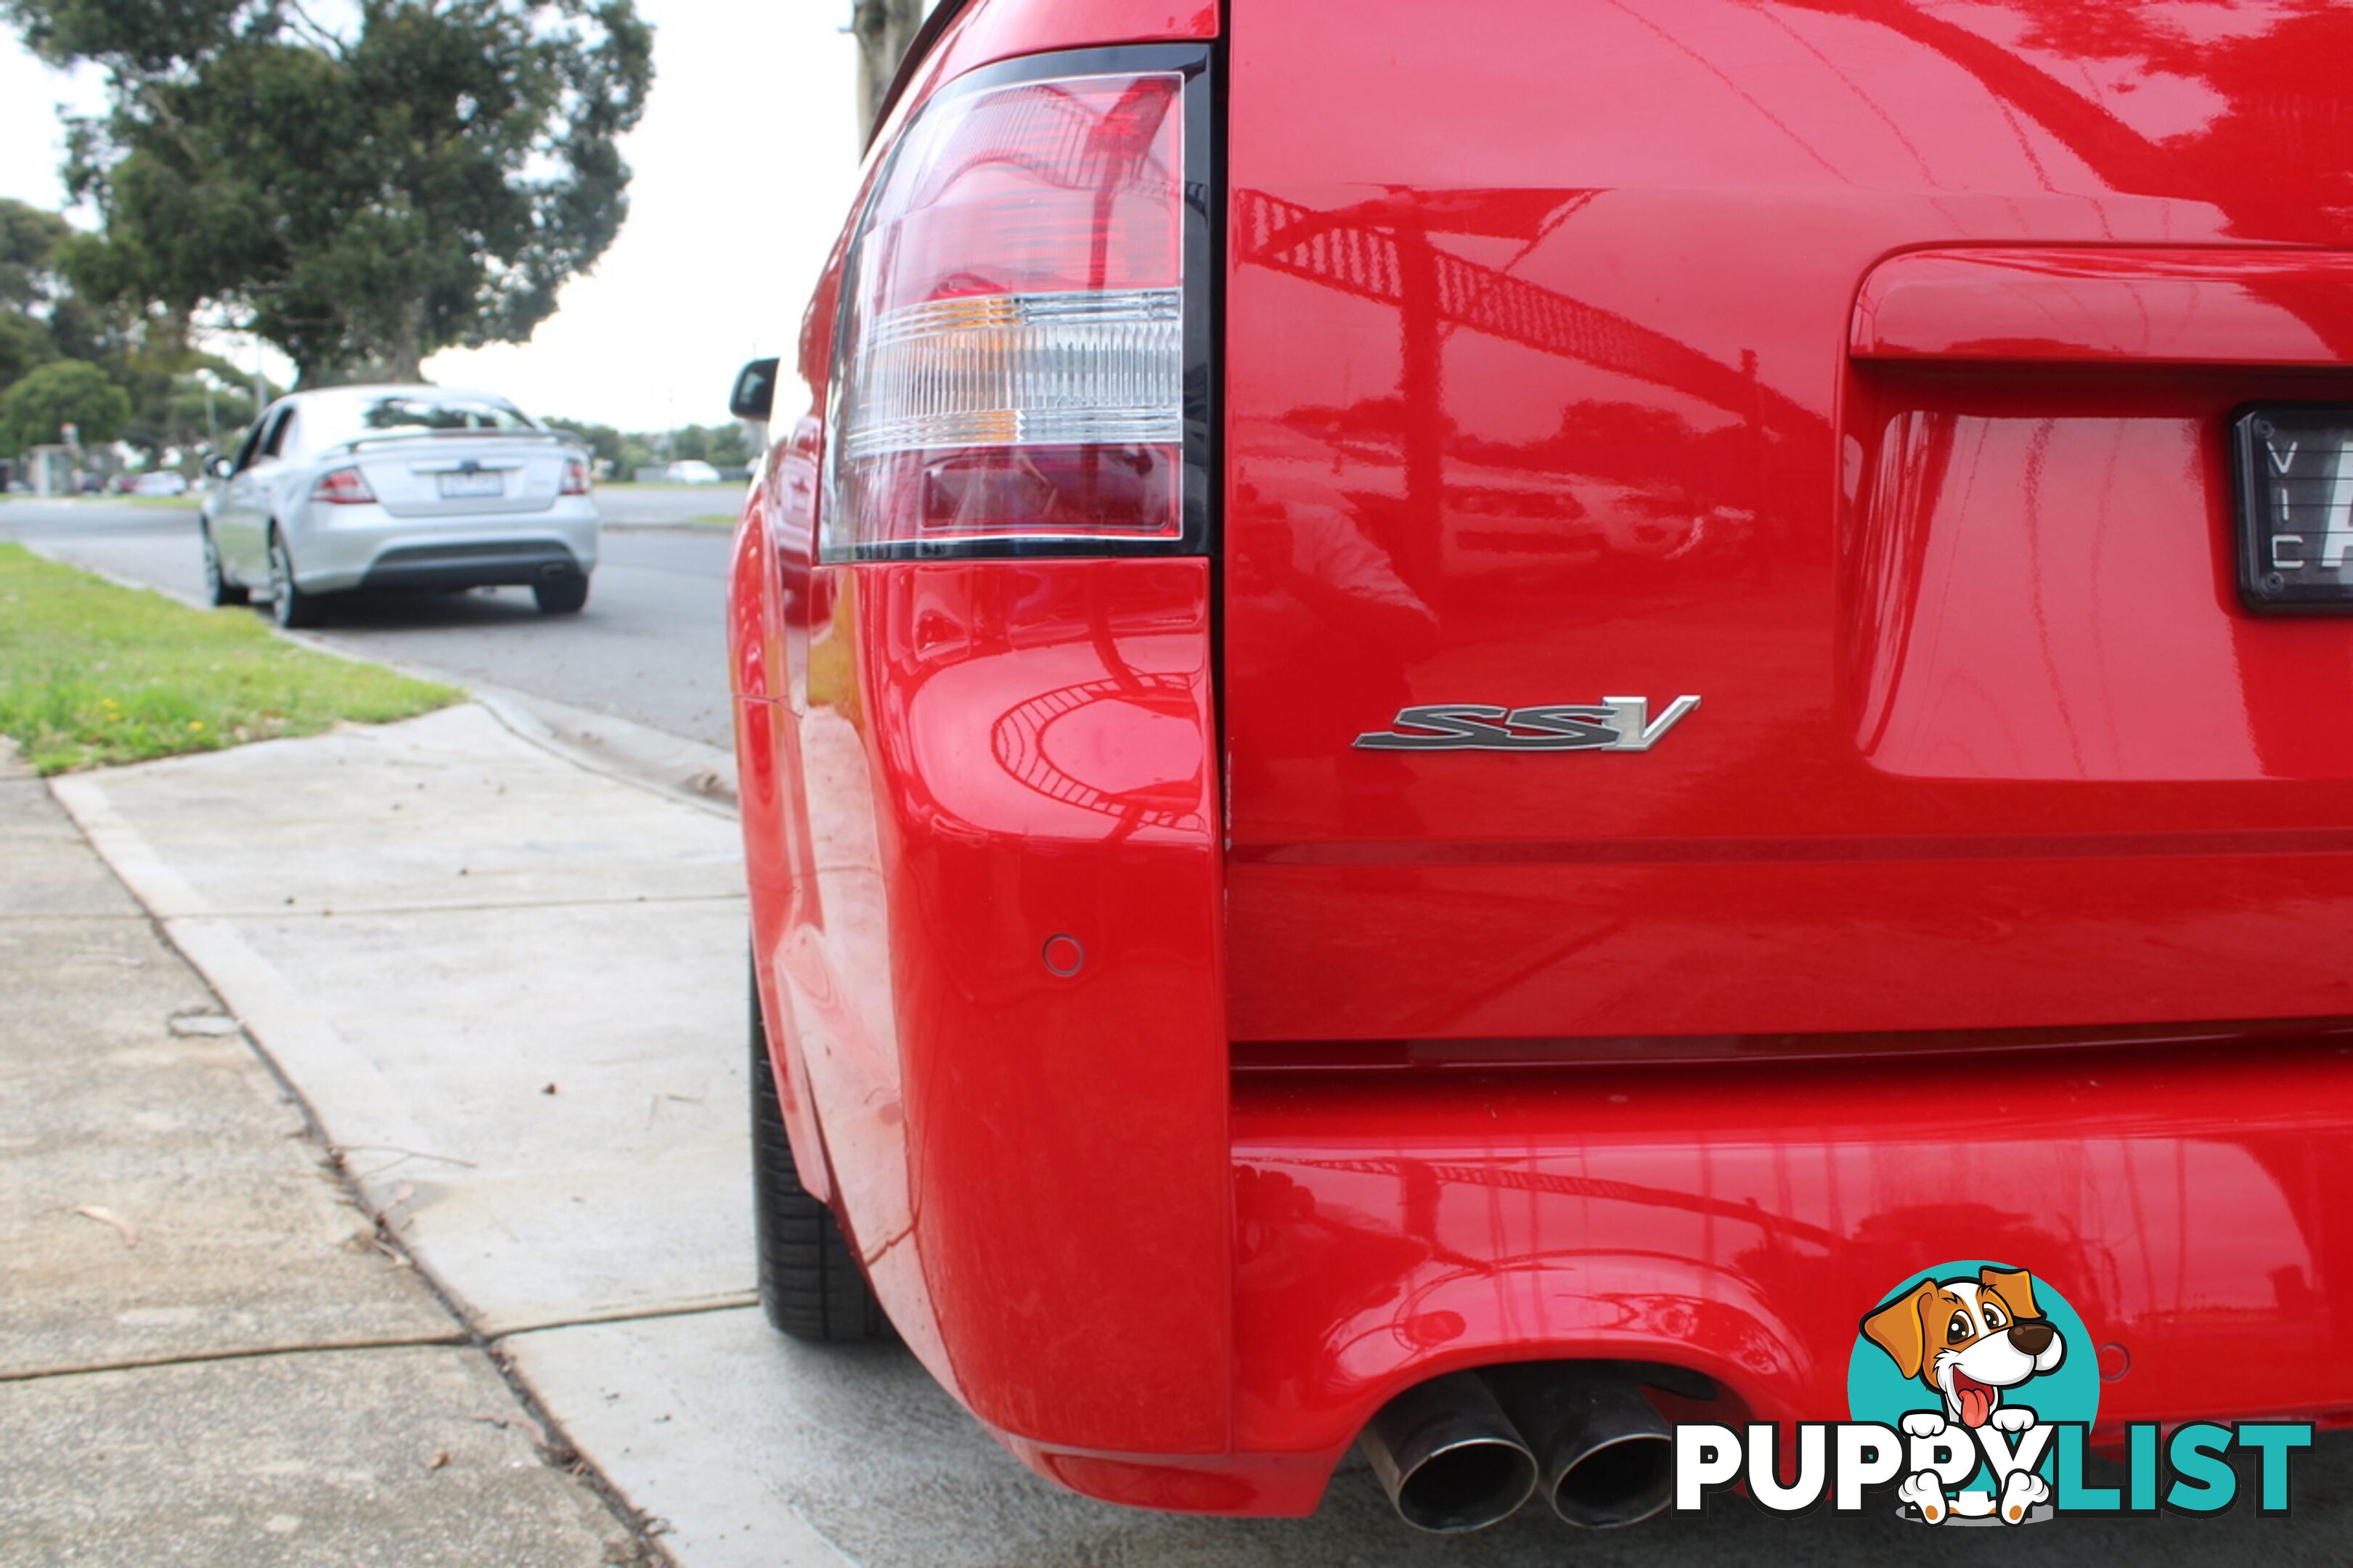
91 674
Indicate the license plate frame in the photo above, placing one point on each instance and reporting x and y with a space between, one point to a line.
2293 472
471 484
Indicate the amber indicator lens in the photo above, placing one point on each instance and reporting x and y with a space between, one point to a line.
2295 464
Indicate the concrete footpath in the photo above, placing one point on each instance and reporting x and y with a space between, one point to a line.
511 989
206 1353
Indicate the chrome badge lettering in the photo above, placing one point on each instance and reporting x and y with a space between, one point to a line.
1614 724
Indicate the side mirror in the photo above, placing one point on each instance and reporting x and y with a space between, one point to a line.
219 465
754 398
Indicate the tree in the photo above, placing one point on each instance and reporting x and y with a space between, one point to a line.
884 29
35 410
29 242
724 446
429 176
23 345
603 442
30 239
196 410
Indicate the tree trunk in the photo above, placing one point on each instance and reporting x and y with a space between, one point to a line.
884 28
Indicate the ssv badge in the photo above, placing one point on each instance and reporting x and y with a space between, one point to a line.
1614 724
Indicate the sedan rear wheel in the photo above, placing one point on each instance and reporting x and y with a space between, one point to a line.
219 591
561 595
291 607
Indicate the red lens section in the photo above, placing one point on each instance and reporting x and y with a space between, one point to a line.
1039 187
1036 493
343 487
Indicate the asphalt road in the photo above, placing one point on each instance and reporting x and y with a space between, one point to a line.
668 503
650 648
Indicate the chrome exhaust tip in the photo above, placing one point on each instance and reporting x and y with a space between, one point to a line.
1605 1456
1448 1456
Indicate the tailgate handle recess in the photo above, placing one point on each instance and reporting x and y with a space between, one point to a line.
2290 309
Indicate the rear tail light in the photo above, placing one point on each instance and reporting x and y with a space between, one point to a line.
576 477
1020 311
343 487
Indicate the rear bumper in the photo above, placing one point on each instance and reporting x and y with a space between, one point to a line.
1740 1222
989 884
496 563
336 548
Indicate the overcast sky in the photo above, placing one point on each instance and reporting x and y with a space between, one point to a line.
744 161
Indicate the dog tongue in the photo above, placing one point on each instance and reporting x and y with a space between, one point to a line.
1976 1403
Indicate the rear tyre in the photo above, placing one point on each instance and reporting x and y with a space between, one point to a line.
561 595
289 606
810 1285
219 591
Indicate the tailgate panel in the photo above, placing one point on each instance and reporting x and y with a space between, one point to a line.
1559 406
407 476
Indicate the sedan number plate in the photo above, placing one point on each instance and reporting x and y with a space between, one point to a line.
466 482
2294 463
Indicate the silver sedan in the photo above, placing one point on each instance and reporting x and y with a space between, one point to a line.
398 487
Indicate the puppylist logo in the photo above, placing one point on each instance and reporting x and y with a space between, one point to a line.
1972 1388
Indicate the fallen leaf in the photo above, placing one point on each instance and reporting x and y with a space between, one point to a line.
129 1232
440 1457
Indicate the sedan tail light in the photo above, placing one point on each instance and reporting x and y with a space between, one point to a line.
576 477
1021 362
343 487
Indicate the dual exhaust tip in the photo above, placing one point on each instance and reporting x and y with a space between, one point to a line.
1464 1451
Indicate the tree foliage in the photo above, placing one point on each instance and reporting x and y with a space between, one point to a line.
29 242
429 176
603 442
35 411
623 453
722 446
29 288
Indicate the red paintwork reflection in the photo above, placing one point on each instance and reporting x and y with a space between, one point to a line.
997 755
1556 406
1731 1221
2051 597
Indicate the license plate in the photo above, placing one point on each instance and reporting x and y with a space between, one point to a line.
2294 463
465 483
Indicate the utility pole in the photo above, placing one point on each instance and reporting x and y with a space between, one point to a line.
883 29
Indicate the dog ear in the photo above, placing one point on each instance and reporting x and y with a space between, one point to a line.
2016 1289
1895 1328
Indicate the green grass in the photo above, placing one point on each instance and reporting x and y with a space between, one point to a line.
91 674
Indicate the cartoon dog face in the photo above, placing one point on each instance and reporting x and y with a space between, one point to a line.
1968 1338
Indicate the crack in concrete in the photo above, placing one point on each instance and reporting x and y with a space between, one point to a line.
457 1335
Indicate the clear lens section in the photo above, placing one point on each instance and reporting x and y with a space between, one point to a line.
1013 369
1013 348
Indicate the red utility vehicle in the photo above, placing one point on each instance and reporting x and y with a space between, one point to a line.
1550 685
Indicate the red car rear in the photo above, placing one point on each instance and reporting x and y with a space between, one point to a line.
1559 682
